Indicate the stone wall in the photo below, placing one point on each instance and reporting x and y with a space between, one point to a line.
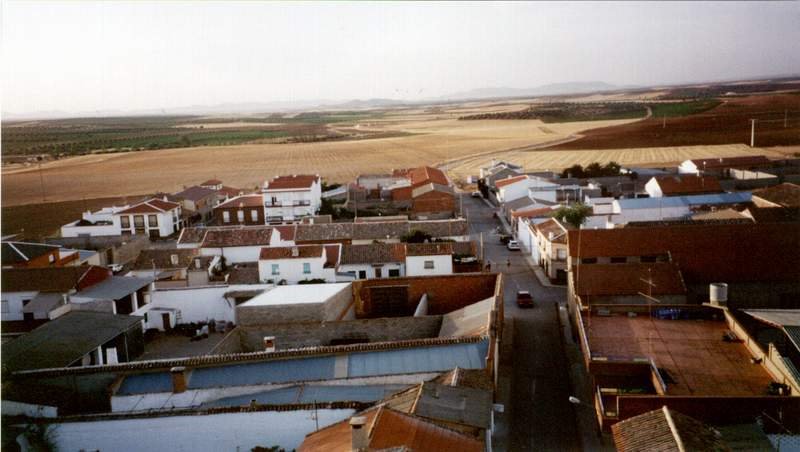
294 335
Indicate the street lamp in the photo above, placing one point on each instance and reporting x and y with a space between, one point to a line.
575 401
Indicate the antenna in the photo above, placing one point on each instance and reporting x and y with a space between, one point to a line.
753 133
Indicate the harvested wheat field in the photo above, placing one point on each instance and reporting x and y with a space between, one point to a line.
428 141
650 157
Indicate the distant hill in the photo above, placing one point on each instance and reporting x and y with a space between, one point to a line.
552 89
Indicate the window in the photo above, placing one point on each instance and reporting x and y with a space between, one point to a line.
254 215
362 274
379 273
25 302
648 258
276 269
589 260
428 264
125 222
226 216
306 268
240 216
561 254
619 260
4 304
152 221
138 221
395 272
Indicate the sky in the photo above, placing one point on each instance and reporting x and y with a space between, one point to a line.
76 56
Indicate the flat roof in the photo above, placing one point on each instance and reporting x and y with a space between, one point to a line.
691 351
297 294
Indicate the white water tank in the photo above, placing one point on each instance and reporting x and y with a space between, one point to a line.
718 294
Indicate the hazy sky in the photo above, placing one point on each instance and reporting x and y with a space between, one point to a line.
86 56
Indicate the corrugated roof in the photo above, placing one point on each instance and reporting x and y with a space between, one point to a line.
420 359
467 321
114 288
61 342
776 317
311 393
738 197
459 405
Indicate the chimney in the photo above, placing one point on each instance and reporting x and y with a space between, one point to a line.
718 294
174 259
178 379
269 343
197 262
358 433
295 251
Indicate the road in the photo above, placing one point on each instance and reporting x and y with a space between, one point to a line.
540 416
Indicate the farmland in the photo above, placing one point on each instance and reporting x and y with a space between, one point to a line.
702 123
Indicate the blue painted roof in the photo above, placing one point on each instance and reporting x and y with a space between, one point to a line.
311 393
678 201
436 358
146 383
422 359
279 371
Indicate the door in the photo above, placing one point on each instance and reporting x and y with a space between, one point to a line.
379 273
165 321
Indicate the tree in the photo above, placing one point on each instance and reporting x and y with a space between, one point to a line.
573 171
574 215
416 236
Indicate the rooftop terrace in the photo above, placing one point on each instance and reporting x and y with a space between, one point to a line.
692 351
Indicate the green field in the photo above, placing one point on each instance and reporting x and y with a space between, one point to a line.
672 110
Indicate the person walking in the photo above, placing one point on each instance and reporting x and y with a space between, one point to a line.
508 262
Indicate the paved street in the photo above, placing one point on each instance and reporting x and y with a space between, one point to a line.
538 415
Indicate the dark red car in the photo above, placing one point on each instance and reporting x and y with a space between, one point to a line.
524 299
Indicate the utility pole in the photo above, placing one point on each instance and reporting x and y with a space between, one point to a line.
753 133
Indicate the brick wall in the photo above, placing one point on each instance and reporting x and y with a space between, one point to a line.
293 335
433 202
268 315
234 219
445 293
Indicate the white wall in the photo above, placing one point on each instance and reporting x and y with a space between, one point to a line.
217 432
234 254
651 214
687 167
370 269
653 189
524 236
12 304
288 197
442 265
292 270
166 222
514 191
12 408
198 304
70 230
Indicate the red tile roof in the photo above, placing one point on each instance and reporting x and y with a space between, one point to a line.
154 205
242 201
706 252
219 238
402 194
332 255
688 184
291 252
212 182
552 225
731 162
503 182
287 232
429 249
426 175
652 431
301 181
390 429
230 191
627 279
195 193
522 213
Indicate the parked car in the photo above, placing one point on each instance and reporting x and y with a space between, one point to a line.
505 238
476 194
513 245
524 299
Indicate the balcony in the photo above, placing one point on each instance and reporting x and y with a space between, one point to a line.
287 203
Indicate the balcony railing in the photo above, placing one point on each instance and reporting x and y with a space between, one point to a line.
287 203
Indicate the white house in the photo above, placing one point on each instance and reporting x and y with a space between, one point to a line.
687 184
375 260
198 304
297 263
290 198
95 224
154 217
236 244
721 166
425 259
670 207
512 188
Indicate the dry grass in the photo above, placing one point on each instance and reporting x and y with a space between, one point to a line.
433 141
